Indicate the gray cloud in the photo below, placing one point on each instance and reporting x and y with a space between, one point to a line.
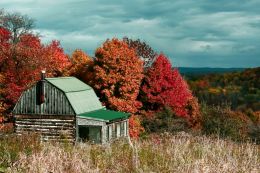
192 33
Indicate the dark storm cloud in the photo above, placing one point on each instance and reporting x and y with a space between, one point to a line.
192 33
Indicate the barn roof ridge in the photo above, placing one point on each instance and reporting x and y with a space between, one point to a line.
55 78
69 84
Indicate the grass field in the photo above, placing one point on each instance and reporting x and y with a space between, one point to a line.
158 153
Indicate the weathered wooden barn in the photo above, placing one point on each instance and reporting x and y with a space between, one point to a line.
65 108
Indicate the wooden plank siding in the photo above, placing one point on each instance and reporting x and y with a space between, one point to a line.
49 127
55 102
54 119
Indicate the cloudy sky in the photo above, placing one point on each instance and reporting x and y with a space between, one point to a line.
192 33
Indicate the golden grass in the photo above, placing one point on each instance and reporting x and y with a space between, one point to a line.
164 153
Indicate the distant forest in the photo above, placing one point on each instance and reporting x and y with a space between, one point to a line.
240 89
191 71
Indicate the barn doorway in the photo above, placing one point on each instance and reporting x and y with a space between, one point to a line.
90 134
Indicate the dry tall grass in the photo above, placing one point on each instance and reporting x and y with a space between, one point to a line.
165 153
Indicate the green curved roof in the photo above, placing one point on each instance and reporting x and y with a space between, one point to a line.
81 96
84 100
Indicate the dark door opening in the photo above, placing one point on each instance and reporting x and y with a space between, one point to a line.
90 134
84 133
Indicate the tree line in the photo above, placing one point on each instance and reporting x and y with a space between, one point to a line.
127 75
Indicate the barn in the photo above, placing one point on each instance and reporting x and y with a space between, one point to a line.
65 108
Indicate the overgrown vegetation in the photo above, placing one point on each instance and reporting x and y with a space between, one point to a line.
11 146
223 122
254 133
157 153
165 121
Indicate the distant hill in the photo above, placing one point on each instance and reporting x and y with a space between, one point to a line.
206 70
241 89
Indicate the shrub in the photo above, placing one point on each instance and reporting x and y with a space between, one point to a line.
135 127
194 115
224 122
6 128
254 133
254 129
165 121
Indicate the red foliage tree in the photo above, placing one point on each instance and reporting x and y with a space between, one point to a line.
24 60
163 86
118 74
5 35
23 56
2 109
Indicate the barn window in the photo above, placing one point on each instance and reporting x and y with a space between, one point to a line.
113 130
122 128
118 130
109 132
125 128
127 125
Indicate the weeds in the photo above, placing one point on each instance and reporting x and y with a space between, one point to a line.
11 146
158 153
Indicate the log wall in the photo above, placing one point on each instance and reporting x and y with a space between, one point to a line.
49 127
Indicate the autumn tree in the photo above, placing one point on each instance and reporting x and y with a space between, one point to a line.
23 59
2 105
5 35
17 24
118 74
163 86
194 116
143 50
81 66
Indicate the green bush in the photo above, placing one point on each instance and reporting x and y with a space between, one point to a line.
165 121
223 122
254 133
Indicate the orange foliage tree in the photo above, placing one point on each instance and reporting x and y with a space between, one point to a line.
2 109
81 66
118 74
194 116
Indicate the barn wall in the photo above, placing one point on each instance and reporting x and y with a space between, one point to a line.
58 128
55 103
117 129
